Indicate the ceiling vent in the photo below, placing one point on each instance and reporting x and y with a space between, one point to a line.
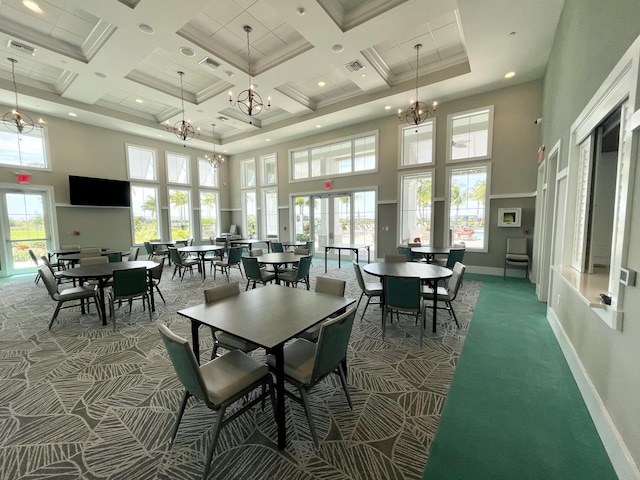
210 64
354 66
21 47
222 119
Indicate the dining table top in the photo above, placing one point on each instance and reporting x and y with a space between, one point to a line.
200 248
71 251
267 316
431 250
425 271
80 256
279 257
105 269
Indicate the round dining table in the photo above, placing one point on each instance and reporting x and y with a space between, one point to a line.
201 251
102 272
430 252
277 259
427 273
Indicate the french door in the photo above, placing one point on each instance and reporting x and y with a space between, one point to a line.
336 218
26 224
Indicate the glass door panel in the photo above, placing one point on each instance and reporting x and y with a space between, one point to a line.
322 233
301 218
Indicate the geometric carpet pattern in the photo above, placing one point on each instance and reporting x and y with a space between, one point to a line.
85 401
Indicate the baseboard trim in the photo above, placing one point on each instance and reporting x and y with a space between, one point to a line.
621 459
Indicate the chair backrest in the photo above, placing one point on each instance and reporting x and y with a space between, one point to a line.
406 251
114 257
235 254
215 294
402 292
93 260
517 246
251 268
34 259
395 258
133 254
414 244
277 247
91 250
455 280
184 362
455 255
330 286
359 278
189 242
148 248
301 251
174 255
46 262
233 229
309 246
333 341
256 252
49 281
70 247
130 281
303 268
156 272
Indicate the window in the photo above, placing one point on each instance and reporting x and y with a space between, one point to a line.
416 207
145 213
207 173
250 213
347 156
24 150
180 214
269 169
178 170
248 173
209 214
270 211
467 204
142 164
418 147
470 135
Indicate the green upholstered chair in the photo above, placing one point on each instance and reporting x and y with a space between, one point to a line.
233 261
300 274
149 249
406 251
254 273
447 294
219 384
181 264
329 286
370 289
114 257
130 284
276 247
156 274
402 295
307 363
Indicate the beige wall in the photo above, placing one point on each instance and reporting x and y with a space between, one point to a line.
591 38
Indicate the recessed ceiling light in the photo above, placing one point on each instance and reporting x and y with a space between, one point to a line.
321 84
33 6
268 139
387 107
301 11
509 74
337 48
318 126
139 100
187 52
144 28
364 75
160 135
71 114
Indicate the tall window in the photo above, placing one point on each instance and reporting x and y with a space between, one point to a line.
248 173
470 135
416 208
270 211
180 213
250 213
142 163
269 169
346 156
209 214
364 216
178 170
418 147
24 150
468 204
207 173
145 213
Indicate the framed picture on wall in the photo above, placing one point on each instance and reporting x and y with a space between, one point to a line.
509 217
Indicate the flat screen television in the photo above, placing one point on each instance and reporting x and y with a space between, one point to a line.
100 192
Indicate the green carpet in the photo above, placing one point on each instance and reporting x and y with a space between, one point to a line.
514 410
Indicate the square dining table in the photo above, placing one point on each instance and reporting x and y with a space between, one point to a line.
268 316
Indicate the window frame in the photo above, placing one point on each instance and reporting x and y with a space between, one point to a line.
453 116
401 143
216 231
487 205
46 154
154 151
187 163
180 187
401 207
216 175
158 211
245 216
246 182
264 211
263 164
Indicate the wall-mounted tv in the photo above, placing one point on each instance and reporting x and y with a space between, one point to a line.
100 192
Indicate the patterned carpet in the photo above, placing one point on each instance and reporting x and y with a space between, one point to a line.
82 401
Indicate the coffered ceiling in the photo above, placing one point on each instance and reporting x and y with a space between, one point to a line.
324 63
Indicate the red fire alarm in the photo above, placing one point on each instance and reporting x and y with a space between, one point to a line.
328 184
23 177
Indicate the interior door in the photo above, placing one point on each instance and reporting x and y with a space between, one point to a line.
25 224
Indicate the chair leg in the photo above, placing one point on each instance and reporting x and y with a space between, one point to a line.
148 305
307 411
185 398
358 305
214 441
343 380
384 318
453 313
55 314
160 293
365 307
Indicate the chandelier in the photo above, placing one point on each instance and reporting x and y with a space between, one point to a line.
182 128
216 160
15 120
417 112
249 101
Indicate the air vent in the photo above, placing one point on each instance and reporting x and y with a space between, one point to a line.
21 47
210 64
354 66
222 119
